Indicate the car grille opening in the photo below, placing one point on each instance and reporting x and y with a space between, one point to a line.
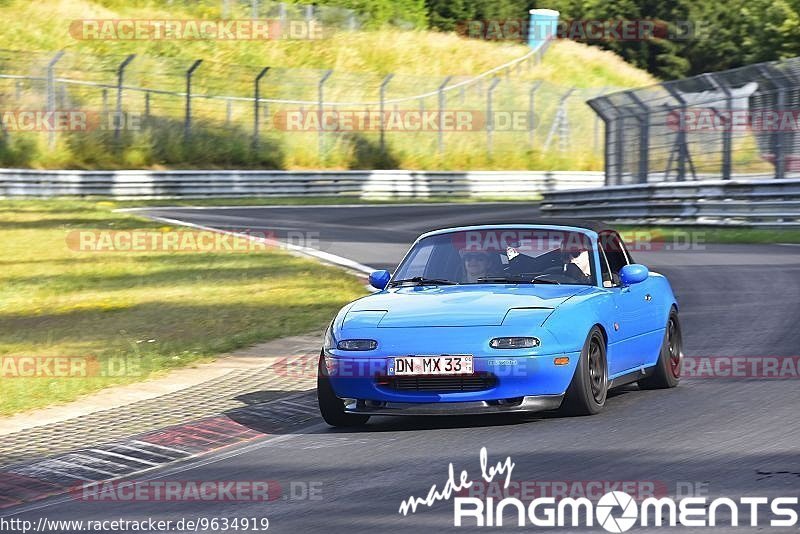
439 384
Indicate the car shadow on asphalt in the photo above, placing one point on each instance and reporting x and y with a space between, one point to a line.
270 417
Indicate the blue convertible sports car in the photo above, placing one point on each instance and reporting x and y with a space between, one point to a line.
502 318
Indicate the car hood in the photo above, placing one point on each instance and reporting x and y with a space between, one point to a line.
468 305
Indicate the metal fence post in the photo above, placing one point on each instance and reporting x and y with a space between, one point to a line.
120 77
384 83
147 104
644 138
596 136
780 146
683 148
727 133
490 115
780 104
187 127
51 94
441 110
225 9
560 123
104 99
321 103
254 9
531 112
282 16
257 105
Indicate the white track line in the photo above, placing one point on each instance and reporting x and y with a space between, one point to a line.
143 451
83 466
100 461
148 444
185 465
129 458
325 257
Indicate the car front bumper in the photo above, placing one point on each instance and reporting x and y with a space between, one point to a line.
518 383
536 403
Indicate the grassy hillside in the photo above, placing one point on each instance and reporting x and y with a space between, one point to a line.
419 60
43 25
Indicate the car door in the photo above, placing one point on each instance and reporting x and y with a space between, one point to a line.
635 305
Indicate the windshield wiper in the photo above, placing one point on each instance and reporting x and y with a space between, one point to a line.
539 280
516 280
504 279
422 281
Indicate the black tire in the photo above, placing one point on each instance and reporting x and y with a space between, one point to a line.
667 372
330 406
587 392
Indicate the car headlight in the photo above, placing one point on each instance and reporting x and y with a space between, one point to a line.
329 342
357 344
514 343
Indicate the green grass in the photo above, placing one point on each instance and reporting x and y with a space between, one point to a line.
419 59
160 310
43 26
310 201
684 235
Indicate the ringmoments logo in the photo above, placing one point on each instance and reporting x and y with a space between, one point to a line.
615 511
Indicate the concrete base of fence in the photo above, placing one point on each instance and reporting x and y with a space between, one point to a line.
762 203
232 184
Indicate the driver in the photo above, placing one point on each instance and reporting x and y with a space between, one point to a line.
575 257
476 265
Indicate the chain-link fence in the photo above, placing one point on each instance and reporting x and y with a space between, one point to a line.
303 117
736 123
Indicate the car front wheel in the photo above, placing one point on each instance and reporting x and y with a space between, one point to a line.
587 392
330 406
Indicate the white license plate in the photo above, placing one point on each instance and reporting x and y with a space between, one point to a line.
430 365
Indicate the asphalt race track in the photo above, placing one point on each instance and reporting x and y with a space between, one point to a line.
723 436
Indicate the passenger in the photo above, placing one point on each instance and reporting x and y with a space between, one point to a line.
476 265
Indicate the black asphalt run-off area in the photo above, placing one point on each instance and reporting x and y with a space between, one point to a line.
727 437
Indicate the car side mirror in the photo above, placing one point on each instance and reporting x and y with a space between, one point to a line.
633 274
379 279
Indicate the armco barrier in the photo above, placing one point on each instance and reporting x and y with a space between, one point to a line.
363 184
714 202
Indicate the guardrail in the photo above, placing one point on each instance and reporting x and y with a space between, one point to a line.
364 184
716 202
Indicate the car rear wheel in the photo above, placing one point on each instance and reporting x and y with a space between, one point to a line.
330 406
667 372
587 392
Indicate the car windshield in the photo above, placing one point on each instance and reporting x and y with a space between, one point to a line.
497 256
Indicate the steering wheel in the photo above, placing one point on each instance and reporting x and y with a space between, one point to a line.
556 272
